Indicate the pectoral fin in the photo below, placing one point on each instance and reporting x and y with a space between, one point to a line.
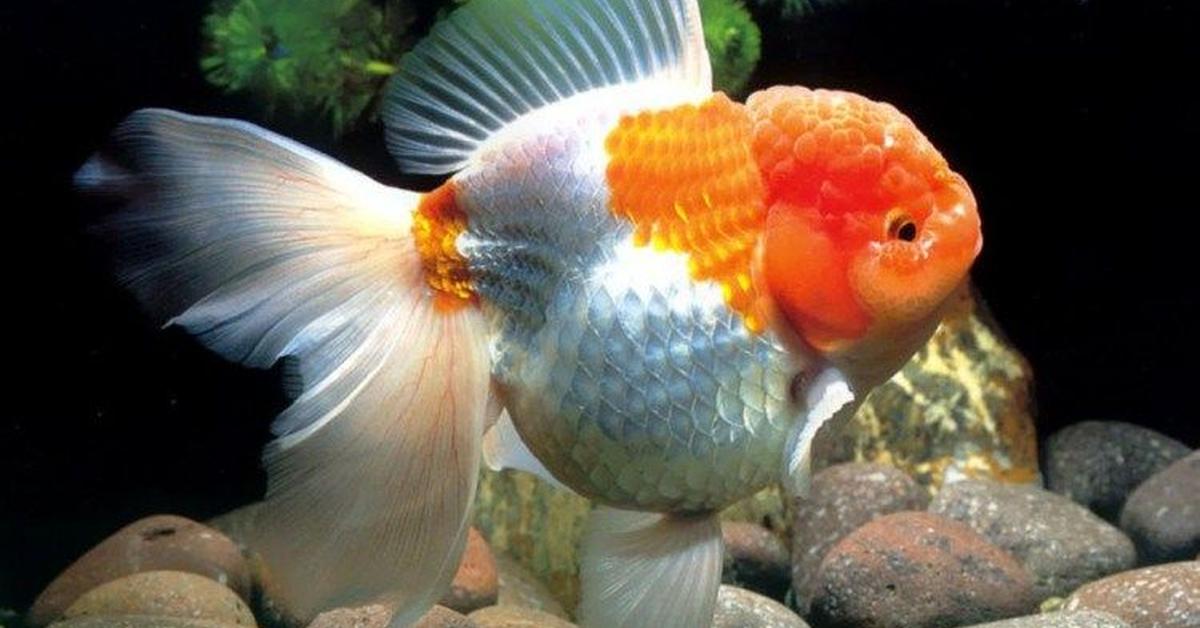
828 396
503 448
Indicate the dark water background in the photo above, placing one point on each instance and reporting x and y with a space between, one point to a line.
1068 118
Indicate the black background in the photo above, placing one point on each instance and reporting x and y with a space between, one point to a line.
1071 120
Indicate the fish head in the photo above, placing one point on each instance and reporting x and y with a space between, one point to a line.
868 231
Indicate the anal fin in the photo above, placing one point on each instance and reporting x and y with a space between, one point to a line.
647 569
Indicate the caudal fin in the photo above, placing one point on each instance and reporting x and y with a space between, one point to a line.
262 249
649 570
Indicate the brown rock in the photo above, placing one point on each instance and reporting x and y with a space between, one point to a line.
516 617
139 621
843 498
160 542
372 616
915 570
378 616
1165 596
475 584
163 593
519 587
755 558
739 608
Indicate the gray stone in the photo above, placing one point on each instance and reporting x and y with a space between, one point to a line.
1164 596
918 570
739 608
841 499
1162 516
1060 619
1099 463
1062 544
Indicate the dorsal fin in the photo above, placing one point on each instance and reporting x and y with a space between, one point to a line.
493 61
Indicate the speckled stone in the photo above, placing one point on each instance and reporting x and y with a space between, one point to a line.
755 559
960 408
842 498
918 570
519 587
1099 463
1062 544
163 593
159 542
1164 596
475 583
1060 619
516 617
739 608
1162 516
378 615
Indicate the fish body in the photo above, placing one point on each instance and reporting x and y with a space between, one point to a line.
632 381
629 285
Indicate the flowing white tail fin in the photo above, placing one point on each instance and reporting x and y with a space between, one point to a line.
262 249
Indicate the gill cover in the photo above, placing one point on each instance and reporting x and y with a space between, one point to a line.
868 230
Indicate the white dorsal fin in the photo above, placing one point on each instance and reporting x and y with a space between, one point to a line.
492 61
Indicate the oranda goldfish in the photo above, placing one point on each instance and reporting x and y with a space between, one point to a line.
631 285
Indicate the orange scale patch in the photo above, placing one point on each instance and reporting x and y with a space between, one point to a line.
837 151
436 226
687 179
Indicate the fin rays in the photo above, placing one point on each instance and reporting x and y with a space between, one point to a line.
492 61
645 569
266 250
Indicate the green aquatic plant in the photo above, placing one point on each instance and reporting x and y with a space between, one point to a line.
332 57
734 43
304 56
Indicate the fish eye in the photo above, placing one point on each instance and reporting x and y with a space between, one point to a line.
901 226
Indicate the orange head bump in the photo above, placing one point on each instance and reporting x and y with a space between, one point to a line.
868 231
